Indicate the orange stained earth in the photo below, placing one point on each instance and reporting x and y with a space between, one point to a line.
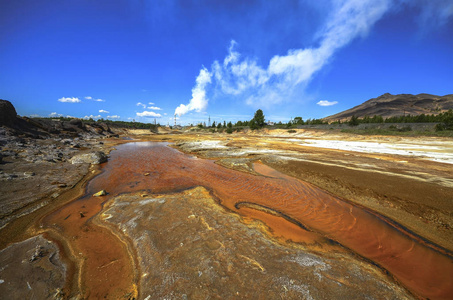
305 213
105 269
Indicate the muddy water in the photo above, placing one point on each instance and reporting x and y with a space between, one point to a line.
316 215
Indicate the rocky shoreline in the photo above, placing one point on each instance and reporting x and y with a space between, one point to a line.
37 168
43 164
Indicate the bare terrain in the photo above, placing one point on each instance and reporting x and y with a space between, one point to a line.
262 214
388 105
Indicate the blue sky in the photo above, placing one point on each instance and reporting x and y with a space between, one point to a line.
142 59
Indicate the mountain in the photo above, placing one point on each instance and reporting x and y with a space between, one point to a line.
389 105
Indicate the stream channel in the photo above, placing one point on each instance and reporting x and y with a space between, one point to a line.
107 263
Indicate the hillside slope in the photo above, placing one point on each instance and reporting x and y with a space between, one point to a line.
389 105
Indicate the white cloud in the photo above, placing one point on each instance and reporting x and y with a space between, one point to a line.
141 104
92 117
433 13
326 103
54 114
69 100
273 84
151 103
199 101
113 117
149 114
94 99
154 108
103 111
265 86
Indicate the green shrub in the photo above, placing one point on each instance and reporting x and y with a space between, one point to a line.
439 127
354 121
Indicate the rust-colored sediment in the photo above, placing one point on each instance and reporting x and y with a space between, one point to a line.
287 205
105 266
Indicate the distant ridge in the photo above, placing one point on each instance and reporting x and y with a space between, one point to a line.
388 105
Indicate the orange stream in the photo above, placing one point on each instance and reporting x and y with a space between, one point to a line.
418 266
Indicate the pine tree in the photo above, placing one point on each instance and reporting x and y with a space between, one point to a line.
259 118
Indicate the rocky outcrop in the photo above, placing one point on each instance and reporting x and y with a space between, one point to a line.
388 105
44 127
8 113
94 158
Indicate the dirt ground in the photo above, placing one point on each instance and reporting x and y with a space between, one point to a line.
411 185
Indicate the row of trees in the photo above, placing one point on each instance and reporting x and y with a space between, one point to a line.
444 120
258 122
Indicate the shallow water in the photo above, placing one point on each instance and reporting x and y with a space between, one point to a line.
281 201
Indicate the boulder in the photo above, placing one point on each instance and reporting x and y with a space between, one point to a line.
105 127
8 115
94 158
77 123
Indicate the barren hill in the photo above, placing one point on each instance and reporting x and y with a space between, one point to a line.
389 105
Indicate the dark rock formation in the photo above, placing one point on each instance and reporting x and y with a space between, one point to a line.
45 127
8 115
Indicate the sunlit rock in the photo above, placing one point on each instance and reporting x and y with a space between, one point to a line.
100 193
94 158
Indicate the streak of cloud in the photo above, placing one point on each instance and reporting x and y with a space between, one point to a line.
92 117
94 99
69 100
433 13
268 86
326 103
149 114
265 87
